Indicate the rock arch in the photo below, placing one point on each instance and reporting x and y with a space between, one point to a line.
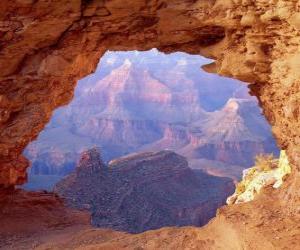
46 46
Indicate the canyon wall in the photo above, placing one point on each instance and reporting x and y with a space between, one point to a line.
150 101
46 46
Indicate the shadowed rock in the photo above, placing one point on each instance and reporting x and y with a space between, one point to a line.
143 191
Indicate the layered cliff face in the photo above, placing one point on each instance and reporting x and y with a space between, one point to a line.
143 191
233 135
148 101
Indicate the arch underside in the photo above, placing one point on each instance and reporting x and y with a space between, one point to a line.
46 46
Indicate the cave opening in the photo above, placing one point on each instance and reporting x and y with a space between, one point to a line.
46 46
157 128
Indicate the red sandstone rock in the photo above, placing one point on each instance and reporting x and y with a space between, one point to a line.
47 46
28 214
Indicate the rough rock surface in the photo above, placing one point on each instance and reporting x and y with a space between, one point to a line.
39 221
26 216
143 191
47 45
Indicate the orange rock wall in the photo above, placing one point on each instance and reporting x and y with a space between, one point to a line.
46 46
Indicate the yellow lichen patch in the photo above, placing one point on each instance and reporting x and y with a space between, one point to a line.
265 162
267 171
283 169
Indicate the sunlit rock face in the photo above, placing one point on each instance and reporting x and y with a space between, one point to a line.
272 173
143 191
141 101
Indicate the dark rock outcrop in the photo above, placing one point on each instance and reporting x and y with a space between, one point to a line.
143 191
90 164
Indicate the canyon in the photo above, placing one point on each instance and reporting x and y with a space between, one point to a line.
143 191
46 46
149 101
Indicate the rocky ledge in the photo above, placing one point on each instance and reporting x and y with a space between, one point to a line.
41 221
266 172
29 218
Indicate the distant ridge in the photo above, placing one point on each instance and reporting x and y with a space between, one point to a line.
141 101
